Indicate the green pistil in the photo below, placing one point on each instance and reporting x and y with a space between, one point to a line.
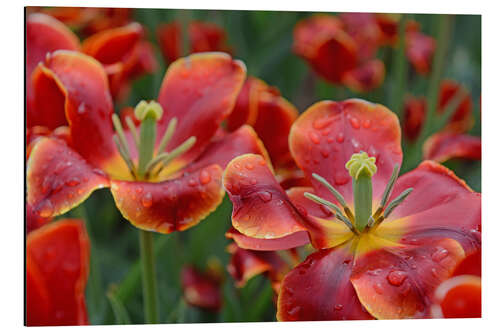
361 167
148 114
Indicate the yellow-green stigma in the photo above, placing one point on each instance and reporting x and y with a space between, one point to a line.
149 164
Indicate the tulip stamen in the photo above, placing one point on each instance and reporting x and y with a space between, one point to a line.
148 160
332 207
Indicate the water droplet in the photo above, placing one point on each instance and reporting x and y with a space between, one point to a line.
265 196
192 182
378 288
339 307
249 166
46 209
253 181
322 123
325 153
354 123
314 137
139 190
367 123
262 162
439 254
374 272
99 172
356 145
396 278
435 272
205 177
81 108
340 137
294 311
147 200
330 140
73 181
326 131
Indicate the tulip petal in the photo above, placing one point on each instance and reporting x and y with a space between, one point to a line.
319 288
471 265
59 179
57 260
261 208
444 183
81 87
33 220
259 244
365 77
324 138
398 282
330 51
229 146
459 297
420 51
200 91
415 109
44 34
461 119
200 290
172 205
443 146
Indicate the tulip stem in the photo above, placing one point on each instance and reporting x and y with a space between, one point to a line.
149 286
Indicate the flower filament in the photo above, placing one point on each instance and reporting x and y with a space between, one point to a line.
361 168
149 164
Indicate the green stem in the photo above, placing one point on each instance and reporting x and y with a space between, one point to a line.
147 141
362 187
149 287
401 68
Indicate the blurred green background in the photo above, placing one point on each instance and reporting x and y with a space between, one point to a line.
263 40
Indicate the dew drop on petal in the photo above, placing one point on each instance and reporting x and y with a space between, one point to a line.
325 153
354 123
253 181
340 137
265 196
439 254
322 123
73 181
367 123
341 178
314 137
192 182
396 278
205 177
249 166
46 209
379 289
339 307
147 200
294 311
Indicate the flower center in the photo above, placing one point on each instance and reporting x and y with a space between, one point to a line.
149 164
361 168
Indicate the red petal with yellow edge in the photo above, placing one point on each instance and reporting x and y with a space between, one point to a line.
457 218
57 260
365 77
307 33
444 183
398 282
324 230
459 297
284 243
275 116
461 119
363 28
78 86
246 106
171 205
35 133
59 179
114 45
200 91
229 146
319 289
245 264
44 34
200 290
261 208
415 109
324 138
443 146
420 51
388 25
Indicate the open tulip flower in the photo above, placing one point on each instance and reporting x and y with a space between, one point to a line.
202 37
337 54
164 176
57 266
383 244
